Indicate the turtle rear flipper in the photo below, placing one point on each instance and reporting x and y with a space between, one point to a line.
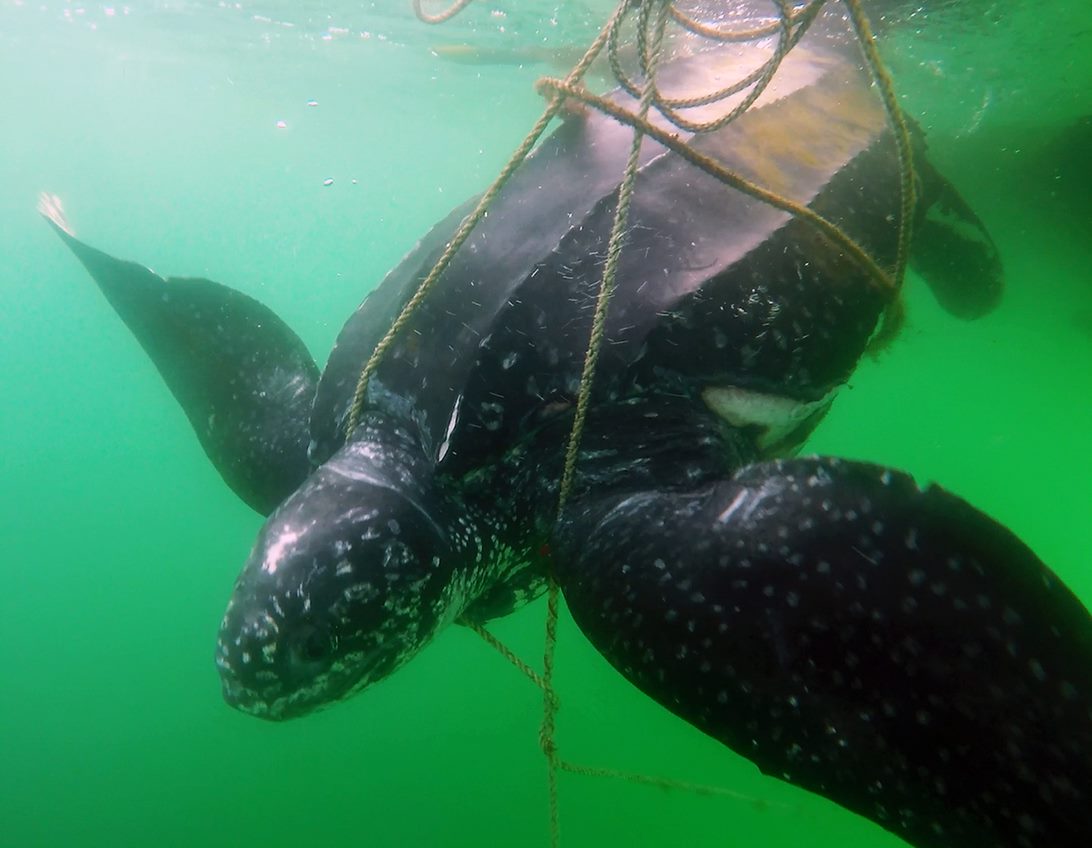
952 249
244 379
888 647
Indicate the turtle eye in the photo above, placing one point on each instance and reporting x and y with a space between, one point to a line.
313 643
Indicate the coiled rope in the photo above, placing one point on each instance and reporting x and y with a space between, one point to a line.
792 21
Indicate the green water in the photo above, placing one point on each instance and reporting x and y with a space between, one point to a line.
158 127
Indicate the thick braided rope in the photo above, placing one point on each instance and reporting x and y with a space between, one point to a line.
439 17
737 35
765 74
790 30
758 79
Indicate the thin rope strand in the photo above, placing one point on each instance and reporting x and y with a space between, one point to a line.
895 313
665 783
551 705
468 224
506 652
610 270
549 711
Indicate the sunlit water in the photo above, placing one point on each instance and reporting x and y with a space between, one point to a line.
296 155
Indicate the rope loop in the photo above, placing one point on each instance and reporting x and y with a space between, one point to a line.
789 26
441 17
695 27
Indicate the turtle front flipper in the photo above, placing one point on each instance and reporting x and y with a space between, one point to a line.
244 379
888 647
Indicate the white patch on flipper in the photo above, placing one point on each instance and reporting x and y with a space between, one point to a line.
776 416
51 207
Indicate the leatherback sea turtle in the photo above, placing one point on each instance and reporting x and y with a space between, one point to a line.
879 643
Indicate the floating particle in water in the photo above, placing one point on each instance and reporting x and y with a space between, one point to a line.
312 103
281 125
354 182
329 181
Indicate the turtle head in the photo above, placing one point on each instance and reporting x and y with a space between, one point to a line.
349 578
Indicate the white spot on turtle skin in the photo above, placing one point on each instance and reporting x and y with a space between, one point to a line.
277 550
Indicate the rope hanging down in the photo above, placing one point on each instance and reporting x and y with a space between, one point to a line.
790 25
650 56
471 220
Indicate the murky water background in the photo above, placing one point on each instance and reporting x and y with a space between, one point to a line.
157 123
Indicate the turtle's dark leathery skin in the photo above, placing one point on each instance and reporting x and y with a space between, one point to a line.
243 378
886 646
